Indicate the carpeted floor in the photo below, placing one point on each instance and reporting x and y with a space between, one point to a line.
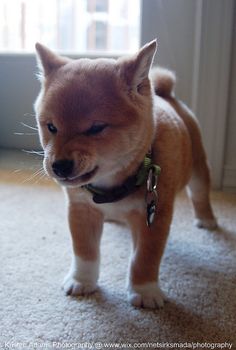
198 274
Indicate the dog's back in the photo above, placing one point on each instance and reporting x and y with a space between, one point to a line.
163 82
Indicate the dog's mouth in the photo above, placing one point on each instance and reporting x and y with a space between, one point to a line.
79 179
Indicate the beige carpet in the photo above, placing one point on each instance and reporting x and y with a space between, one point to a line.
198 274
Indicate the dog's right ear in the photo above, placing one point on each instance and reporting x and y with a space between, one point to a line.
47 60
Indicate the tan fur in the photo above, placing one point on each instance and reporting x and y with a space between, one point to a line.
77 93
86 233
163 81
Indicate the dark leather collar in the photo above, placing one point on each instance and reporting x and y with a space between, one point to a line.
131 184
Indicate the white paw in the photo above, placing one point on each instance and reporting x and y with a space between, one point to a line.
74 287
148 295
82 277
209 224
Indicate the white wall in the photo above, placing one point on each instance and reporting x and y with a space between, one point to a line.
173 24
18 90
229 178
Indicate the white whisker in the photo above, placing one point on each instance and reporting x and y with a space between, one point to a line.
39 153
16 171
29 126
25 133
34 175
41 177
29 115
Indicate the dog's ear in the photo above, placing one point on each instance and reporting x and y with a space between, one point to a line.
135 69
48 60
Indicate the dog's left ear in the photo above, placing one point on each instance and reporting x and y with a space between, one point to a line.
135 69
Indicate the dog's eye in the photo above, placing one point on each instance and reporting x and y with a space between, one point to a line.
95 129
52 128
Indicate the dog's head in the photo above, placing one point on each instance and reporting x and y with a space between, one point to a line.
94 116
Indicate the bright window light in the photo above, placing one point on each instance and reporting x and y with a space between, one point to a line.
73 26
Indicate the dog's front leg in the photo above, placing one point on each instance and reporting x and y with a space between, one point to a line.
149 244
86 225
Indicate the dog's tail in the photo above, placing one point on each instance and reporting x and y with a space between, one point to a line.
163 81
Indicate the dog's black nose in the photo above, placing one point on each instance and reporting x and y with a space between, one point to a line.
63 167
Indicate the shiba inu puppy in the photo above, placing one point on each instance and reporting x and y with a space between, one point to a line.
107 127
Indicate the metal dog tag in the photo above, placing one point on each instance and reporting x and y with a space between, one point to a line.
151 211
151 200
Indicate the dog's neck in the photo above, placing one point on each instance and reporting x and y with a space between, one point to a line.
130 185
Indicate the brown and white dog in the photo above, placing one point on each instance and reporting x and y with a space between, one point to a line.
97 120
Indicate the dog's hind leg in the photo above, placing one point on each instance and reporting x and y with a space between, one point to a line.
199 184
199 188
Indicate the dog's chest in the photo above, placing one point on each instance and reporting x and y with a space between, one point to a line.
119 211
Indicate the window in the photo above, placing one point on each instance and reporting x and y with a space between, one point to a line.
74 26
97 6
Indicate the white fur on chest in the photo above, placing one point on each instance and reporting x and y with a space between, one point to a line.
117 211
